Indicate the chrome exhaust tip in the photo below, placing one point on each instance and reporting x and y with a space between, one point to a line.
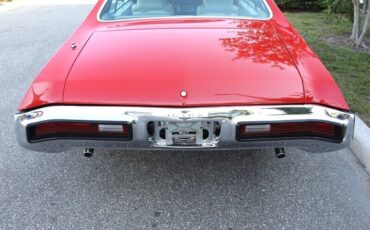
89 152
280 153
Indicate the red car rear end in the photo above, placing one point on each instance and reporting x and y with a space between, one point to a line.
151 74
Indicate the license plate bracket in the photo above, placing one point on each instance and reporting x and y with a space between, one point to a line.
186 134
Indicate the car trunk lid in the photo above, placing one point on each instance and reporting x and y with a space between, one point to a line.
151 67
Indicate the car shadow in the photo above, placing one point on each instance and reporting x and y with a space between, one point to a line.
199 179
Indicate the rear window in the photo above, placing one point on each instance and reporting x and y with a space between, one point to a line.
130 9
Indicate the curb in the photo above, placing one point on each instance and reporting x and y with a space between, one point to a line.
361 143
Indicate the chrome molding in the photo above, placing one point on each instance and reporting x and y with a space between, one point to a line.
98 16
228 117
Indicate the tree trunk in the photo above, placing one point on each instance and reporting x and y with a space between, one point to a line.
356 19
360 22
365 25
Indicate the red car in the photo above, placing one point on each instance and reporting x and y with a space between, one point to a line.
185 74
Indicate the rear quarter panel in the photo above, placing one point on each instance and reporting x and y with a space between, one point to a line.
319 85
48 87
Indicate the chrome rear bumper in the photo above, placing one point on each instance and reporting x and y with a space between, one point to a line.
227 117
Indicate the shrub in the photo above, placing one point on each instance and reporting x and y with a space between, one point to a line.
310 5
340 7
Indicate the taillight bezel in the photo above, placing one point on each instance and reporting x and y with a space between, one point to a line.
30 132
340 132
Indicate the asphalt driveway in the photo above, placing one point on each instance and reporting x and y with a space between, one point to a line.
156 190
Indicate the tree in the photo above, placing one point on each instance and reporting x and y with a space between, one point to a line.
360 22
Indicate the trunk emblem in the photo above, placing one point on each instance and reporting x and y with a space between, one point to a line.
183 93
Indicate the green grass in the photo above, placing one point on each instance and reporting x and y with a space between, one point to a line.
351 69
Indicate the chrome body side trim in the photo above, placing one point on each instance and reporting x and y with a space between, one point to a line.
227 117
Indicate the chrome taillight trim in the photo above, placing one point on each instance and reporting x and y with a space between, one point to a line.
228 117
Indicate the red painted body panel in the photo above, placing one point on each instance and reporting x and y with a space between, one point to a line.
218 61
214 66
320 87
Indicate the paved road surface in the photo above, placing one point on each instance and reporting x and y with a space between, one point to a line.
156 190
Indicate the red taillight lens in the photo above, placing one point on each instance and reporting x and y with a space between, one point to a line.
291 130
70 130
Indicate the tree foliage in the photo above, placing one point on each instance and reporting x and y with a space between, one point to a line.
312 5
339 7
